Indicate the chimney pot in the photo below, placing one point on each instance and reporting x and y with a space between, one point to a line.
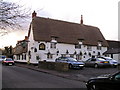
26 38
81 19
34 14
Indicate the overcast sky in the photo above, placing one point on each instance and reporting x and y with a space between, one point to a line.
100 13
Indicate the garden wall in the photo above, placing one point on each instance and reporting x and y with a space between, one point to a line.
59 66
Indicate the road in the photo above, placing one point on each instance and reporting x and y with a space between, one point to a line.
18 77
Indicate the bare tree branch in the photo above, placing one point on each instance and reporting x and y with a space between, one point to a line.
11 15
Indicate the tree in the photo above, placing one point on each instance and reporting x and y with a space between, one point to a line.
8 51
11 14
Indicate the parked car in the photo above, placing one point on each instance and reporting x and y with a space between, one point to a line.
96 62
2 58
8 61
73 63
104 82
113 62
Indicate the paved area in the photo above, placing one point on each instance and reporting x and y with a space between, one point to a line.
20 78
80 75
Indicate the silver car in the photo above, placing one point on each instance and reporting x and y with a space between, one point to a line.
96 62
72 62
113 62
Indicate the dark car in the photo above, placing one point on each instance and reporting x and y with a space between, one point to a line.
73 63
97 62
104 82
8 61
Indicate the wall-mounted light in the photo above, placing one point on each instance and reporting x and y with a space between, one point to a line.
67 52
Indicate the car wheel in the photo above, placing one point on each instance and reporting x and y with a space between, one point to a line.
114 66
94 87
95 65
70 66
82 67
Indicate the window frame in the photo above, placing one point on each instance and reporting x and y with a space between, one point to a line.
42 46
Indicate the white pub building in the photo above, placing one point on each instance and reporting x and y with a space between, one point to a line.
48 39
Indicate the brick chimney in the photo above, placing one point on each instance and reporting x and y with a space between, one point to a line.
34 14
81 21
26 38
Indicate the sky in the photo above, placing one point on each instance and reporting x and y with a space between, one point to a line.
99 13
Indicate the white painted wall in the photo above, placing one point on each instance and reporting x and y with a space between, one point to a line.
61 47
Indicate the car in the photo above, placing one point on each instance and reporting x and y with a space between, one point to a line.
113 62
2 58
8 61
104 82
96 62
72 62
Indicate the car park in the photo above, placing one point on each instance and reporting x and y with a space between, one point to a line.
8 61
72 62
104 82
113 62
96 62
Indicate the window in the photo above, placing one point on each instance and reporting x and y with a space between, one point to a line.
98 47
89 48
99 43
99 53
29 54
25 57
37 57
63 55
78 46
72 55
49 56
53 45
35 50
42 46
80 53
18 57
22 57
78 57
90 54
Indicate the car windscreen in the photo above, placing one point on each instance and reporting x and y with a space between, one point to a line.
9 59
108 58
101 59
72 59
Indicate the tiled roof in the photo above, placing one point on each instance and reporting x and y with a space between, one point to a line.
114 47
113 44
66 32
19 49
112 51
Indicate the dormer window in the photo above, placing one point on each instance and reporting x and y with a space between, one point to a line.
80 42
99 45
53 42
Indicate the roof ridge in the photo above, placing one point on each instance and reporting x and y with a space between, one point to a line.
65 21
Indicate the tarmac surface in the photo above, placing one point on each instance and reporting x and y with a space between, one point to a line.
81 75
